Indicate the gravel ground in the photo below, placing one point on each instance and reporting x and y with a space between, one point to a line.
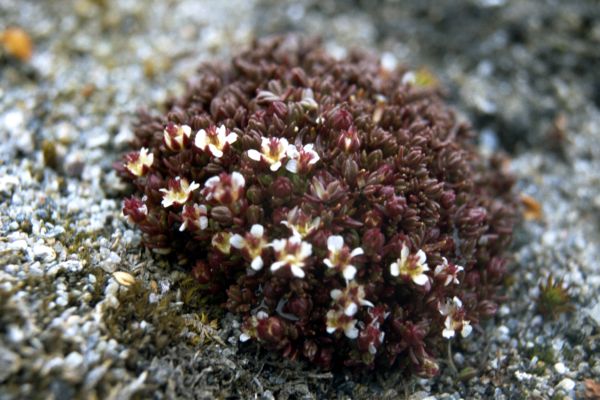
525 72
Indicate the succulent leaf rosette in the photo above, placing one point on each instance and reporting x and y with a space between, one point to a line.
339 208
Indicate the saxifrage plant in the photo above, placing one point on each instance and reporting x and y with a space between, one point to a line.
339 208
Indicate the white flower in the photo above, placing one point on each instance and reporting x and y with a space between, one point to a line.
178 192
194 218
410 266
301 160
291 252
300 223
338 320
350 298
224 188
272 151
252 245
221 241
449 270
176 137
215 140
340 256
455 321
139 163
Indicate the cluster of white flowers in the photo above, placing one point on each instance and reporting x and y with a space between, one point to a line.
347 302
453 310
412 267
212 140
274 150
140 163
252 245
178 192
340 257
215 140
292 252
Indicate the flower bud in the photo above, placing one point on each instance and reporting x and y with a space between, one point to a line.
477 215
201 272
254 194
370 339
487 308
222 215
254 214
350 170
200 122
176 137
270 330
135 210
428 367
340 119
309 349
373 218
323 358
374 159
395 206
349 141
496 268
372 242
447 199
300 307
281 187
278 108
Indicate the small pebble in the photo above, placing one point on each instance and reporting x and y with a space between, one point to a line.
566 384
560 368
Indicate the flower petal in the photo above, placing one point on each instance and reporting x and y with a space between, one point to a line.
276 265
203 223
420 279
297 271
457 302
257 263
349 272
274 167
238 179
335 243
200 141
366 303
292 166
422 256
232 137
215 151
448 333
394 269
305 249
466 329
292 151
351 331
257 230
212 181
335 294
254 155
237 241
357 252
351 309
278 244
404 253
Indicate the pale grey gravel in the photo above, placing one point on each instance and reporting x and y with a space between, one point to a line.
513 67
